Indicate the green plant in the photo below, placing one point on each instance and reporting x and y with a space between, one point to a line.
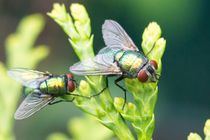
195 136
20 53
84 128
106 110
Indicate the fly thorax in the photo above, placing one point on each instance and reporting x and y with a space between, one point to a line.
127 60
118 55
43 87
136 66
27 91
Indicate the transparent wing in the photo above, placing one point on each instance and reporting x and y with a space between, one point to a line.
31 104
116 37
29 78
102 64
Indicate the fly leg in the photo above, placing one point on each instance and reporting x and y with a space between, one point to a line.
89 97
78 95
125 92
59 101
106 86
150 49
23 91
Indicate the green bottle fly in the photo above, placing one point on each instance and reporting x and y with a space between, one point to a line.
120 57
41 89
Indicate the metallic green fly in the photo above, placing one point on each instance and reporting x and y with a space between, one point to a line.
120 57
41 89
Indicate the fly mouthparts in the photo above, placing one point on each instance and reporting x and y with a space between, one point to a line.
157 76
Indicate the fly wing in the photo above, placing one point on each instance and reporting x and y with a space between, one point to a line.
101 64
29 78
116 37
31 104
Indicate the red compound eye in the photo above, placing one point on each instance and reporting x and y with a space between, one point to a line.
153 63
142 76
71 85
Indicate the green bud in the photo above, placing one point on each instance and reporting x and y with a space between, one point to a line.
158 50
19 45
207 128
62 17
81 18
84 88
151 34
194 136
131 107
100 113
58 12
79 31
118 103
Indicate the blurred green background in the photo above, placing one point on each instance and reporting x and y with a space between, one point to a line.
184 91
